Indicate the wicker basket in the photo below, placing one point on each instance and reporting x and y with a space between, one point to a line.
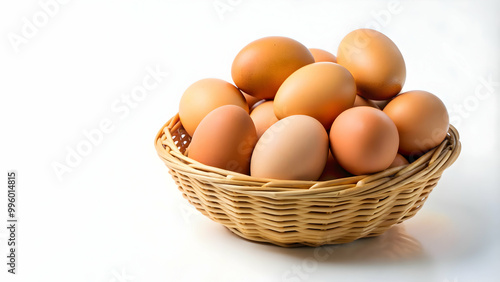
313 213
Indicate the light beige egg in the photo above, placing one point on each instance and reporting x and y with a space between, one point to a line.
294 148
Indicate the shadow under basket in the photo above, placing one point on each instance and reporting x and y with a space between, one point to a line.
294 213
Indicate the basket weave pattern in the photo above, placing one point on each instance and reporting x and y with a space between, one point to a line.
295 213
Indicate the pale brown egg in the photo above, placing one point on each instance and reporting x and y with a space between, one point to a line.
320 90
360 101
399 160
204 96
374 61
321 55
225 138
294 148
263 117
421 119
364 140
261 66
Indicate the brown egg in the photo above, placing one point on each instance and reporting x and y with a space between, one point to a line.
374 61
294 148
381 103
399 160
251 100
320 90
225 139
204 96
421 119
364 140
263 117
321 55
333 170
261 66
360 101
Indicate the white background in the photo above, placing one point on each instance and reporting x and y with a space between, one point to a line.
117 215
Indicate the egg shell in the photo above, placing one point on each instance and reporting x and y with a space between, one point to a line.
294 148
261 66
263 117
258 104
399 160
375 62
360 101
333 170
381 103
320 90
321 55
225 138
422 121
364 140
251 100
205 95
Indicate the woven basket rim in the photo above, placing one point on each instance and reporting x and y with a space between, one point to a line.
432 162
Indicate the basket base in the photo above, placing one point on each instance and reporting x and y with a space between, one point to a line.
293 244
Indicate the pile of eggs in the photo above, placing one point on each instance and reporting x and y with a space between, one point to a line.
295 113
